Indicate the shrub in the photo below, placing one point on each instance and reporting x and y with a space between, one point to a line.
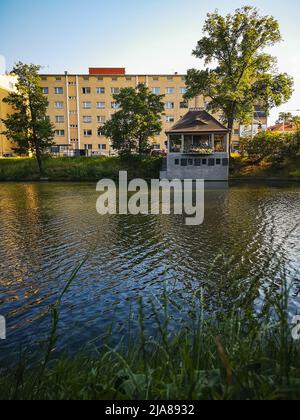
273 148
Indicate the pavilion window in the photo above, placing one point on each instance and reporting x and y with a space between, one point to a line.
220 143
175 144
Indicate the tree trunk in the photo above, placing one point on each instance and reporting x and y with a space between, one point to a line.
40 162
230 128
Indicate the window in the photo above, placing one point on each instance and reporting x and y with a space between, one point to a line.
59 133
59 119
87 119
100 78
204 161
86 91
220 143
102 146
99 132
72 98
100 105
114 79
115 91
128 79
45 90
197 162
202 141
73 112
259 112
211 162
177 161
59 105
170 105
184 162
170 119
170 79
155 79
100 90
175 143
218 161
73 126
87 105
58 90
88 146
183 90
86 78
206 103
184 105
236 132
156 90
44 78
101 119
170 90
115 105
58 78
88 133
156 146
191 162
72 83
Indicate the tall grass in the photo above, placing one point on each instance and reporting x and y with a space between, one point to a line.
234 353
79 168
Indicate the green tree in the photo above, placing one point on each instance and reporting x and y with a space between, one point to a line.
29 127
137 120
238 73
284 117
270 147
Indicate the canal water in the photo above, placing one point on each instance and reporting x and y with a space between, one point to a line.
250 237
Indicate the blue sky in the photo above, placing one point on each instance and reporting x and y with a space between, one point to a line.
153 36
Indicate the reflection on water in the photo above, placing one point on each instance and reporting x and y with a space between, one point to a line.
47 229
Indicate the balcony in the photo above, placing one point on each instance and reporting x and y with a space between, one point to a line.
198 145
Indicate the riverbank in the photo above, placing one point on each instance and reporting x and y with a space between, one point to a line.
82 169
233 355
79 169
243 170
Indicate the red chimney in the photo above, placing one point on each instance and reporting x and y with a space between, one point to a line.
107 71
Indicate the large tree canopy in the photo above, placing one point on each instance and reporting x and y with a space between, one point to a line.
238 73
137 121
29 127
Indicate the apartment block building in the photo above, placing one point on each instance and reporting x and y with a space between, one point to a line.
80 104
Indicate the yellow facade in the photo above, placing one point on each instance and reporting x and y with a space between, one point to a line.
5 145
80 104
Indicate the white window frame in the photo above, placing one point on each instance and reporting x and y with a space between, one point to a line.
101 105
87 119
85 133
59 90
59 119
156 90
59 105
170 91
87 105
101 119
170 105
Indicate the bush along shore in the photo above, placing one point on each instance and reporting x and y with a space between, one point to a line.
203 346
79 168
268 155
